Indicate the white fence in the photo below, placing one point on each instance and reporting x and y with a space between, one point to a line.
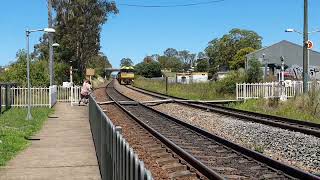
39 96
271 89
68 94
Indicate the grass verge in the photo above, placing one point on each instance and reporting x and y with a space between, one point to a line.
198 91
14 128
296 108
304 108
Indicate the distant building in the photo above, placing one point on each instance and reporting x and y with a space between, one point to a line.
221 74
292 53
193 77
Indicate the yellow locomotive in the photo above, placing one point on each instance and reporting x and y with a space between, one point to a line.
126 75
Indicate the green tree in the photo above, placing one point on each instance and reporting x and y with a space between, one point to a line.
148 70
99 63
202 65
170 63
39 73
78 26
126 62
148 59
201 55
155 57
254 73
186 57
239 59
221 51
171 52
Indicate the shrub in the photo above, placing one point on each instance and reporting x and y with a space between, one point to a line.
148 70
228 84
39 72
254 72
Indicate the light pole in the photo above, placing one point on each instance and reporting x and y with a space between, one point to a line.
51 66
28 32
50 40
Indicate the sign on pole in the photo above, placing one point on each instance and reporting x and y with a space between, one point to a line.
309 44
90 72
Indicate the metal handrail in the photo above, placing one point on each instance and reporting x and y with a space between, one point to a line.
117 160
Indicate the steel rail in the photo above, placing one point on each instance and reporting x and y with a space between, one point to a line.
273 164
202 168
276 121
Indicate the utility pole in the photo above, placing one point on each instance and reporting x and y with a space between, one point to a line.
305 48
50 37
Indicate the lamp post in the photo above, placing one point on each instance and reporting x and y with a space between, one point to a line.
28 32
51 61
55 45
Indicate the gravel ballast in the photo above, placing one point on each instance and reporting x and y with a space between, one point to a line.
293 148
130 134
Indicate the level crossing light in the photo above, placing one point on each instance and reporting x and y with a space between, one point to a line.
28 32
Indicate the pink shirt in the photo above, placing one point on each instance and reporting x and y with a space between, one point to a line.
86 87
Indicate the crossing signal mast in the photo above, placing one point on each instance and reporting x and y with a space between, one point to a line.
305 48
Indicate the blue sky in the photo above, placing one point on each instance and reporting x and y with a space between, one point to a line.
137 32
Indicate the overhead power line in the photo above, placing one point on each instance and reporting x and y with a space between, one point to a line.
174 5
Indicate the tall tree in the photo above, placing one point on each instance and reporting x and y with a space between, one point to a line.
171 52
148 70
222 50
148 59
99 63
155 57
239 59
170 63
184 55
202 65
126 62
201 55
191 59
78 26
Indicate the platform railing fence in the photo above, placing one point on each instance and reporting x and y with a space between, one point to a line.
117 160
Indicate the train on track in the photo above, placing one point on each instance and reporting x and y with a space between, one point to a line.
126 75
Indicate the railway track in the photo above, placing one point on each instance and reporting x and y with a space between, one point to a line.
162 162
214 157
275 121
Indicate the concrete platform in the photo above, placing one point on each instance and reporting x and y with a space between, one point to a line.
65 150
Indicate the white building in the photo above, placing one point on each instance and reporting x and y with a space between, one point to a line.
194 77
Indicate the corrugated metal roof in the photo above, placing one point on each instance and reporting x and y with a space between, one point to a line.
290 51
